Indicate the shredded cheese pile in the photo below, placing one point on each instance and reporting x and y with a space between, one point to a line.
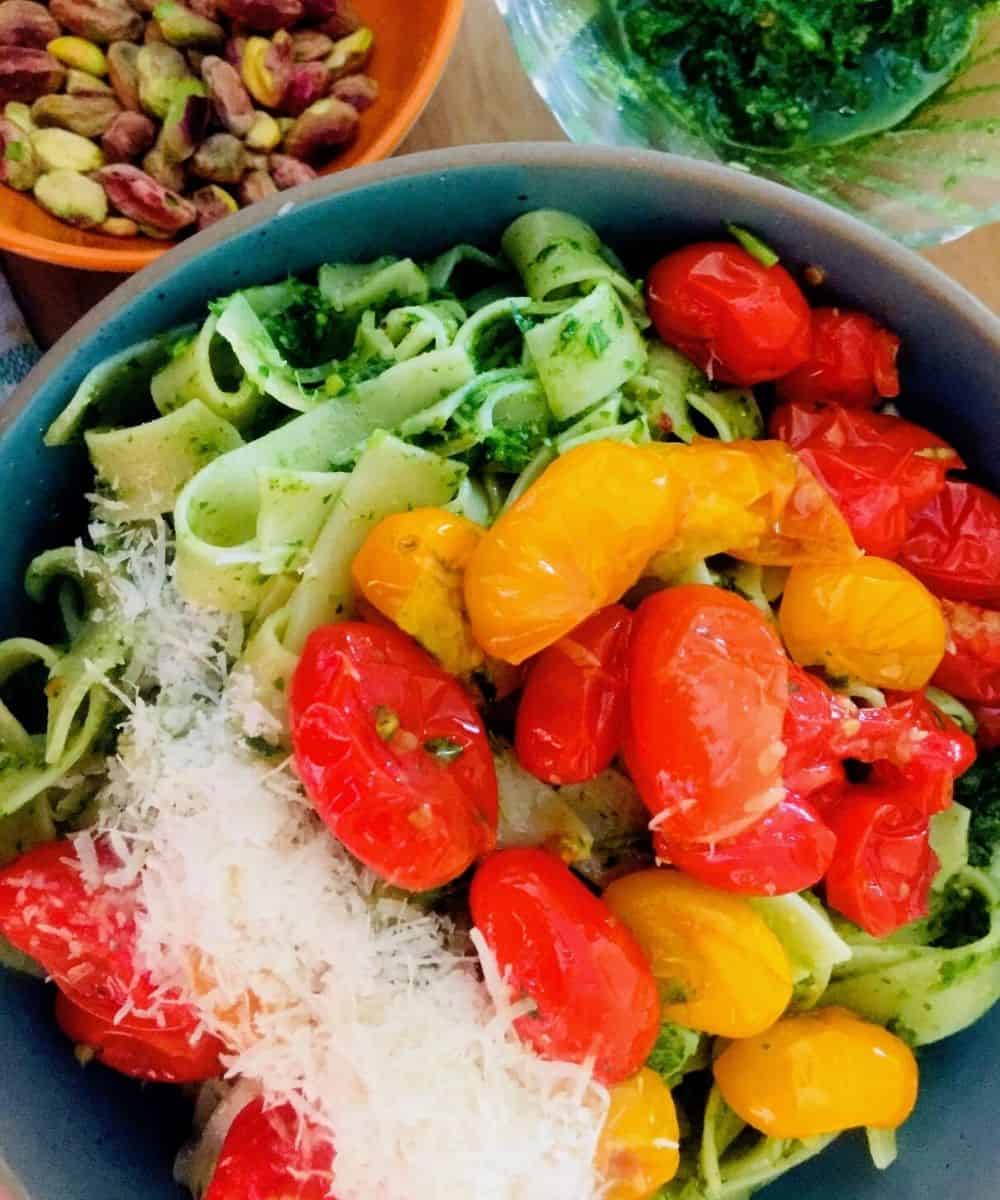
368 1014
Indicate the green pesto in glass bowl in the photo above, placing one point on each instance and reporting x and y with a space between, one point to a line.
888 109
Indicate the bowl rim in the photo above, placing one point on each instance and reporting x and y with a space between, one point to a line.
901 261
89 258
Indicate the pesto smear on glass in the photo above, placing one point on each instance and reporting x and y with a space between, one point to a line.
781 75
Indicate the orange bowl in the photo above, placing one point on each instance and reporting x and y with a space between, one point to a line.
412 44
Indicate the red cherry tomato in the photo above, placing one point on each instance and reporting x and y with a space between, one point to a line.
786 851
879 469
740 321
970 668
883 864
86 941
561 946
148 1053
954 545
813 718
392 754
853 362
571 719
268 1154
988 719
708 694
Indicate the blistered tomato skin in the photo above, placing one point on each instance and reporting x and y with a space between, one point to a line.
869 619
411 568
819 1072
392 754
706 666
575 542
740 321
853 362
954 544
970 668
638 1151
719 967
571 718
562 947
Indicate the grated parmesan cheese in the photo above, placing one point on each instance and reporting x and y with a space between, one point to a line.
366 1013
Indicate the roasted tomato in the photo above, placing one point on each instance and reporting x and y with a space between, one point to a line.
269 1154
879 469
740 321
392 754
813 719
786 851
954 545
883 865
988 719
85 938
819 1072
868 619
970 668
719 967
708 692
561 946
575 542
639 1148
853 362
412 569
571 719
149 1053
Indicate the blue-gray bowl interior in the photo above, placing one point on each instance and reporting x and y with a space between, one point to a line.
75 1135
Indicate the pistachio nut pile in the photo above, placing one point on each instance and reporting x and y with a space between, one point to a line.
130 117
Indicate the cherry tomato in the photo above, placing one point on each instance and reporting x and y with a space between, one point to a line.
150 1053
268 1154
879 469
392 755
882 869
576 541
868 619
970 668
411 568
815 714
709 688
571 719
740 321
561 946
954 545
988 720
86 941
786 851
719 967
819 1072
639 1148
853 362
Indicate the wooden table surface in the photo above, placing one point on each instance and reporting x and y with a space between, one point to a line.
484 97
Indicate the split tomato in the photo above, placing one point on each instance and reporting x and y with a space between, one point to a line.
708 693
953 544
558 944
740 321
392 754
269 1154
571 719
853 362
970 668
813 719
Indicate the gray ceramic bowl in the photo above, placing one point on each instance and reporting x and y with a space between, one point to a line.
69 1135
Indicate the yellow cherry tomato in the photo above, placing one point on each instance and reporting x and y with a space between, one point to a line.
638 1151
819 1072
412 569
720 968
869 619
574 542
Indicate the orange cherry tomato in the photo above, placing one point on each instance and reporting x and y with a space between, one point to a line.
560 945
853 362
268 1154
708 693
412 569
576 541
638 1151
719 967
869 619
819 1072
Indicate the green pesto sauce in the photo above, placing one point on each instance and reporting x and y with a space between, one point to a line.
785 75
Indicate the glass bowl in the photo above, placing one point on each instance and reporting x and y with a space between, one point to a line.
932 178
